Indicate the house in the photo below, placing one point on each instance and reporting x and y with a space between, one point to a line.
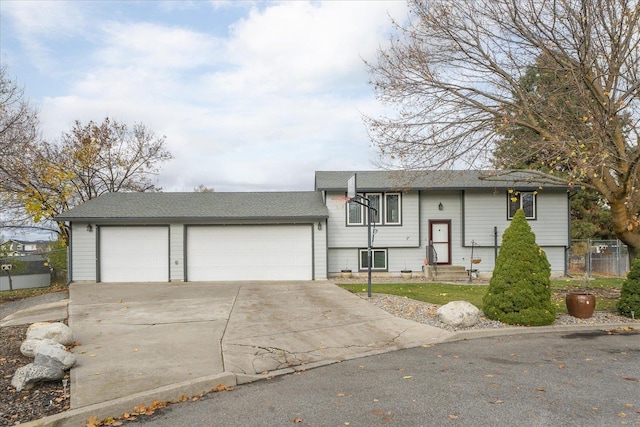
15 247
441 217
438 216
27 271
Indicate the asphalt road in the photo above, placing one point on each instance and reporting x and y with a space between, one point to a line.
560 379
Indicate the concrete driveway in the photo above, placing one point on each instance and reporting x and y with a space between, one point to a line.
141 341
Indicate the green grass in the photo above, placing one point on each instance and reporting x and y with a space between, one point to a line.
442 293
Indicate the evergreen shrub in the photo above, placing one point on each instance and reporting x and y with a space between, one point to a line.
520 290
630 293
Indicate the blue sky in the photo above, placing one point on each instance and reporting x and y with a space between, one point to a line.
251 96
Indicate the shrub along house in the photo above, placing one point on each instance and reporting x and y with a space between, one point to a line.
442 215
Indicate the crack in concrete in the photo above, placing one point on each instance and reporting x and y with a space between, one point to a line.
226 325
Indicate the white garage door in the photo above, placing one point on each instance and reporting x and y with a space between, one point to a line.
134 254
250 252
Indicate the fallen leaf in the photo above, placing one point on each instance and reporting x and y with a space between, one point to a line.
407 377
629 405
540 389
560 366
622 415
378 412
453 416
297 420
340 395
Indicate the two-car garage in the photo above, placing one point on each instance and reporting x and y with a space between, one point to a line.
212 253
198 236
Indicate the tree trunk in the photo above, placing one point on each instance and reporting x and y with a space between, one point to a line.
626 228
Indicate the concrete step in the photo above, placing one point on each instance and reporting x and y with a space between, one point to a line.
449 273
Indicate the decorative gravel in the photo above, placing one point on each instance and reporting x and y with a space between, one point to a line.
424 312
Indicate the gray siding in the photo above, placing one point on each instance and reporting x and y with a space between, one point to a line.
320 251
485 210
386 236
482 211
83 247
176 252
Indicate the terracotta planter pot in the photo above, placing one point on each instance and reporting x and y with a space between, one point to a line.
581 304
346 273
406 274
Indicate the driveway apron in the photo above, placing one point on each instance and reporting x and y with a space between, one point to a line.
137 337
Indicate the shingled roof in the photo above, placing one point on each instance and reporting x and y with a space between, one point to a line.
435 180
200 206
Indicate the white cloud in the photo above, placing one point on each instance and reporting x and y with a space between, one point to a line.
280 97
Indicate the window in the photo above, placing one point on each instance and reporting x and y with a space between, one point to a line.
355 214
379 257
375 201
388 210
392 208
525 200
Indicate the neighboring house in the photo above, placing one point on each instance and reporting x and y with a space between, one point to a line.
28 271
132 237
24 247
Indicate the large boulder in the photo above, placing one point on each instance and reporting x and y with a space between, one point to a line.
26 376
459 314
30 347
57 331
54 357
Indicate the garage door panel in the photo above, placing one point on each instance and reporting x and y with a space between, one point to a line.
282 252
134 254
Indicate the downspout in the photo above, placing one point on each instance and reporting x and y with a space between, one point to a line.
70 256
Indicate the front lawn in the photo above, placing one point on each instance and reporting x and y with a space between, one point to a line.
607 291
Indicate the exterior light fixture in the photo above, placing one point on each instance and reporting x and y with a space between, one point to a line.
89 228
319 226
440 207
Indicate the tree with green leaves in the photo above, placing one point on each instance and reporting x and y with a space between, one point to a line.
460 73
517 149
519 291
629 302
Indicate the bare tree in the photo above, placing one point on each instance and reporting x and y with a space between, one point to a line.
18 120
19 129
92 159
456 75
203 189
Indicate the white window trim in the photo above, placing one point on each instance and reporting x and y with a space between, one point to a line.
362 214
399 208
382 211
518 194
362 267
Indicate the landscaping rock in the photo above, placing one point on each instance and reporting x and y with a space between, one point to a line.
459 314
56 331
54 357
26 376
30 347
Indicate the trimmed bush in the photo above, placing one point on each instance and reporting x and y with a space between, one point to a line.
630 293
520 290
